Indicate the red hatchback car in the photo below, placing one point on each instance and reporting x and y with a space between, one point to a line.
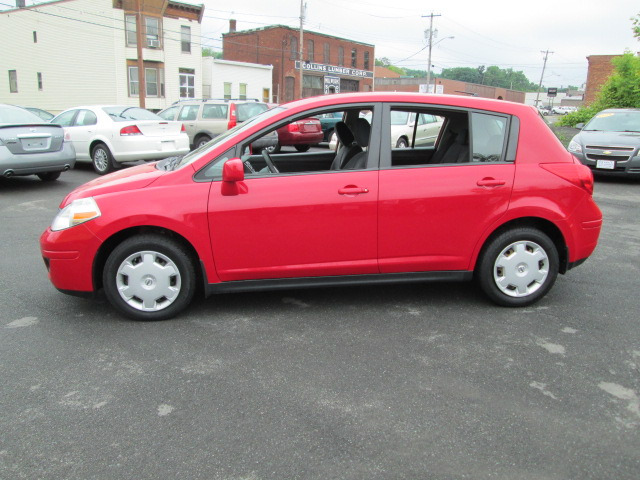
497 198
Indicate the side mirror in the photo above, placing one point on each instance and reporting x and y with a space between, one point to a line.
233 170
580 125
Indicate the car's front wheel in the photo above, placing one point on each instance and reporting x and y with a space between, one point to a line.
102 159
149 277
518 267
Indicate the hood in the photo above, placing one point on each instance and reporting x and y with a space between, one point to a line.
130 178
609 139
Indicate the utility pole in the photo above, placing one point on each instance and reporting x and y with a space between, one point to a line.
142 86
301 43
544 65
431 35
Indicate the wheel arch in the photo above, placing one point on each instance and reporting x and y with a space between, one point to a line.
546 226
97 141
114 240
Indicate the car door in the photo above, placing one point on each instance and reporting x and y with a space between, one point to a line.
300 224
82 132
432 215
427 130
188 116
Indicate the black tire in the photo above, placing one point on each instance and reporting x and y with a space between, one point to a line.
303 148
48 176
518 267
273 148
402 143
102 159
158 262
201 140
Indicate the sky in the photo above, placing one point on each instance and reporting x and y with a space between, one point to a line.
507 33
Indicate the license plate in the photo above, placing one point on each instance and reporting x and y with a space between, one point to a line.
167 145
34 144
606 164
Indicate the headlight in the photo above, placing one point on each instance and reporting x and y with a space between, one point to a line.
574 147
77 212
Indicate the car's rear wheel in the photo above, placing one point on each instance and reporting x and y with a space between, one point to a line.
149 277
303 148
102 159
273 148
401 143
201 140
518 267
48 176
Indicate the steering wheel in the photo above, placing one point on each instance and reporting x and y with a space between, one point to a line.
267 159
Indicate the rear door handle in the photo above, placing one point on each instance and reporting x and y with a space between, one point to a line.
352 190
490 182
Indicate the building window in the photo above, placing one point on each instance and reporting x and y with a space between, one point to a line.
312 85
152 31
310 49
39 81
341 56
266 95
13 81
354 58
366 60
327 54
134 86
35 37
187 83
185 37
154 81
130 30
243 91
294 48
227 90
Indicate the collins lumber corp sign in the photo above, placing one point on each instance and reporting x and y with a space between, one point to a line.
334 70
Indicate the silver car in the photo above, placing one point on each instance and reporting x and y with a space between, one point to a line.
30 146
403 129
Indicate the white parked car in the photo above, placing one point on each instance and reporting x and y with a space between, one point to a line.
110 135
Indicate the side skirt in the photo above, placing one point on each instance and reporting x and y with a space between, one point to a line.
346 280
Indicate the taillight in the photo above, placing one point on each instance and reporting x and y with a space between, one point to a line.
233 121
130 130
293 127
182 129
575 173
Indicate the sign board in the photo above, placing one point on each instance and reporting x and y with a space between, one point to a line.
552 92
424 88
332 69
331 84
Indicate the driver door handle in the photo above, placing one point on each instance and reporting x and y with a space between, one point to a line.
352 190
490 182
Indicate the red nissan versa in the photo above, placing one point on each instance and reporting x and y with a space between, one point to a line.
496 198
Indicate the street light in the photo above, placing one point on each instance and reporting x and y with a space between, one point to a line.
431 44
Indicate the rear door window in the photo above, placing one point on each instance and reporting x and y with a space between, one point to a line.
188 112
487 137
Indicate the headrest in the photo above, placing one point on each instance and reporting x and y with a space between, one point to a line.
344 133
363 131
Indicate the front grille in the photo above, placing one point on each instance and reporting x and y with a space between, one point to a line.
601 147
617 158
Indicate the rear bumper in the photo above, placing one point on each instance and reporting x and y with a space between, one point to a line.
133 149
297 138
585 226
31 163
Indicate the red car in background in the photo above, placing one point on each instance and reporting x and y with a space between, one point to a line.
496 198
301 134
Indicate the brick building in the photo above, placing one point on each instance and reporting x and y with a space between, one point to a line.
447 87
331 64
600 68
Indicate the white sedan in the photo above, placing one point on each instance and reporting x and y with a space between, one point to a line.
110 135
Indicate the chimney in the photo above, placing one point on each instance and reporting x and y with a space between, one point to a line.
232 25
20 3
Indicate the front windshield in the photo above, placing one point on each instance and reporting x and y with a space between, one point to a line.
195 154
615 122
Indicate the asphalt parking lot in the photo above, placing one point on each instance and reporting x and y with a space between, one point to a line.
389 382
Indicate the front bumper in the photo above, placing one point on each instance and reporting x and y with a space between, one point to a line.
622 165
69 255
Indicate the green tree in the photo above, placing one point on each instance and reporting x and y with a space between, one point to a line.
621 90
636 26
492 76
209 52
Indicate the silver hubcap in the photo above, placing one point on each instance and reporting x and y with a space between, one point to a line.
521 269
100 158
148 281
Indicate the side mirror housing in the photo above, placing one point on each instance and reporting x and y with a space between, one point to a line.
233 170
580 125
